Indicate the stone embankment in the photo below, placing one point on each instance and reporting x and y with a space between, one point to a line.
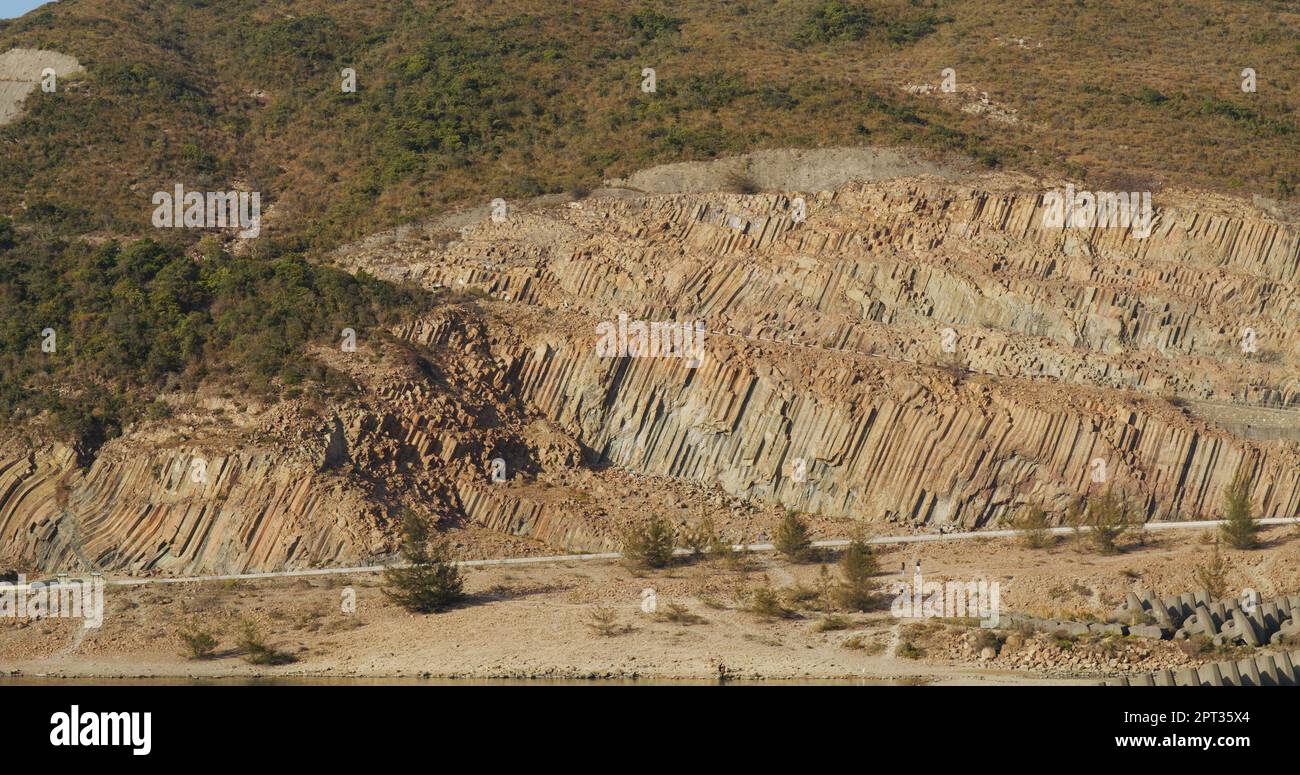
1225 621
1277 669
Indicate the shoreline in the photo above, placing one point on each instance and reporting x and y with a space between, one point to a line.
590 623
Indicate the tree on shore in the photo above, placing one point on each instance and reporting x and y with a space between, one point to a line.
199 643
1213 574
429 581
1109 518
856 591
1033 526
649 545
257 651
1240 529
791 537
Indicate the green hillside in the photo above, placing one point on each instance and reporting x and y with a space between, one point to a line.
461 101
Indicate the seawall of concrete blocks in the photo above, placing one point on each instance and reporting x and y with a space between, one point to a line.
1274 669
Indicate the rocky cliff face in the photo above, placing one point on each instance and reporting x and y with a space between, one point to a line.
916 351
230 487
1093 349
176 510
885 440
884 267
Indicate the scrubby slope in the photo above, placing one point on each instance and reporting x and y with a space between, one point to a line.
459 101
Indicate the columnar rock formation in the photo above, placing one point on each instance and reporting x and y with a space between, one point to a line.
176 510
1096 348
916 351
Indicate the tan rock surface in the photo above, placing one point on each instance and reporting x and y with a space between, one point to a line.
824 346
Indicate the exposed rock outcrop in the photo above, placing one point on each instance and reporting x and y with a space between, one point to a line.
1092 346
827 384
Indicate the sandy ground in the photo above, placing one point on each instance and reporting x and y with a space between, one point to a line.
537 621
821 169
784 169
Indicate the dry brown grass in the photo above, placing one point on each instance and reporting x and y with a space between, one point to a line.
1104 93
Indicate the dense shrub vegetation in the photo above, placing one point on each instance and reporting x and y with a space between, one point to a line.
834 20
456 102
452 103
130 318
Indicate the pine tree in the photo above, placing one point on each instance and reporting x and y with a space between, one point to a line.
1109 518
1032 522
649 545
792 537
858 564
430 581
1240 529
1213 575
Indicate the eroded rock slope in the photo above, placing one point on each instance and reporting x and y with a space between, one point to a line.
1074 361
1091 349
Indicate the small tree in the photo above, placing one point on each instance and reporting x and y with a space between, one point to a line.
1239 529
1109 518
603 621
199 644
1076 519
825 589
766 602
257 651
700 537
856 591
1033 527
649 545
1213 575
733 558
792 537
430 581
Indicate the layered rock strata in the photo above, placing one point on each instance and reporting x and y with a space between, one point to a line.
915 351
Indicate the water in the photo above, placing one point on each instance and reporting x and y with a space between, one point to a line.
36 680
